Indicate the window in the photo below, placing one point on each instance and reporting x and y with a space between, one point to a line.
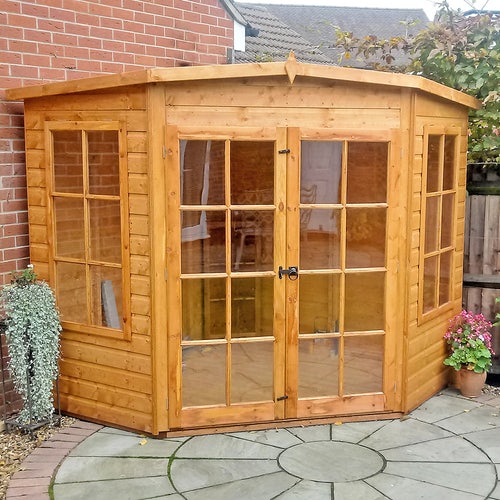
88 203
441 154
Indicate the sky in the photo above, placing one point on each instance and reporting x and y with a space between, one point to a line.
428 5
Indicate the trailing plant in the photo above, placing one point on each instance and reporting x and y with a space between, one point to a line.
457 50
469 340
32 334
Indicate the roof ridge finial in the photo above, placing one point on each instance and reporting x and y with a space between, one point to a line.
291 66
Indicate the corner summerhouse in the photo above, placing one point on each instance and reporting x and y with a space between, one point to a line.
260 244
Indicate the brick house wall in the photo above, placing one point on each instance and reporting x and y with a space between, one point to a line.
50 40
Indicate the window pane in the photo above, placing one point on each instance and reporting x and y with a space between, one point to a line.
365 237
202 172
321 167
447 220
252 173
105 231
430 283
449 162
68 162
251 307
203 375
253 241
319 299
106 296
203 241
433 155
104 162
319 240
318 367
367 172
363 364
431 224
69 227
71 292
445 263
252 372
203 309
364 301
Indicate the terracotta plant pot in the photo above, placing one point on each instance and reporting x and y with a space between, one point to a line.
471 382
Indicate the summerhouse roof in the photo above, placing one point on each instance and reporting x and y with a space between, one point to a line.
290 69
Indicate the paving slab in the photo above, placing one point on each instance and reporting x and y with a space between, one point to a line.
105 444
442 407
77 469
123 489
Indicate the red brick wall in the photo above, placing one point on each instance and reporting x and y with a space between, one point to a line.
49 40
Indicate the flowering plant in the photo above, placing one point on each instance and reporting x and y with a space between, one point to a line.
469 340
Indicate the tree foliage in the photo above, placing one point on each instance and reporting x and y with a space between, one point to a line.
457 50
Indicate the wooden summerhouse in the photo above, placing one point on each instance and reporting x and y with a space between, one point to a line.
265 244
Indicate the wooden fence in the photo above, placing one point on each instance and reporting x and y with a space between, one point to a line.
482 251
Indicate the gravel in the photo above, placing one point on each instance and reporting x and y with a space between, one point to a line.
15 446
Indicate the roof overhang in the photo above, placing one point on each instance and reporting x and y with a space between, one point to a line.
290 69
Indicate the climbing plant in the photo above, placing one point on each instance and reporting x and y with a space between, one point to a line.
457 50
32 334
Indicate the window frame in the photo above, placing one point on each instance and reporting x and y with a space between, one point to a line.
438 309
123 333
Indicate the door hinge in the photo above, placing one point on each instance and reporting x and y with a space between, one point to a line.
283 151
165 274
164 151
166 403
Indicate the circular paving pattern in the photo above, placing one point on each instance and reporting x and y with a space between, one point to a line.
448 448
326 461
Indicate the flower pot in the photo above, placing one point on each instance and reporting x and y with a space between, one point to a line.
471 382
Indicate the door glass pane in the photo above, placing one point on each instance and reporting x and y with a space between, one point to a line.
253 240
433 155
320 240
203 241
364 301
367 172
447 220
431 223
106 296
318 367
252 173
321 167
105 230
71 292
430 283
445 262
319 296
68 161
252 309
203 375
252 372
363 364
69 227
203 309
202 172
449 162
104 162
365 235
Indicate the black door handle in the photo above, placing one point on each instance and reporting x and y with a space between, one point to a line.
292 272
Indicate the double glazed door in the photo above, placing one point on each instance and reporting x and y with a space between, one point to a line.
281 268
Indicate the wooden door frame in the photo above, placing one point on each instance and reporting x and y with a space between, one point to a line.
286 198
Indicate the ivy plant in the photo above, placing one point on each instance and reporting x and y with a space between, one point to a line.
32 334
457 50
